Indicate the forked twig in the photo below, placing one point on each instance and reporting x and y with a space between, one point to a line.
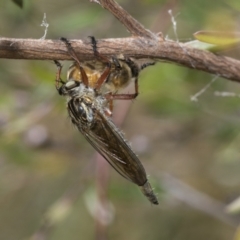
144 44
132 25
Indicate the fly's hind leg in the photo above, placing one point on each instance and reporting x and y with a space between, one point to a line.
124 96
135 72
135 69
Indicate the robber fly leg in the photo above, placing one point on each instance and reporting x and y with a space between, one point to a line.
73 54
96 53
58 79
108 112
106 72
125 96
135 71
101 57
146 65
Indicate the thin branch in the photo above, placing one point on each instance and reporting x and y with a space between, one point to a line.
138 48
132 25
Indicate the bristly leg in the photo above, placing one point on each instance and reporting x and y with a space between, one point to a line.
135 71
103 78
94 44
58 75
96 53
116 63
146 65
73 54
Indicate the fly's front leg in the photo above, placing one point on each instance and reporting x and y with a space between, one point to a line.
58 79
73 54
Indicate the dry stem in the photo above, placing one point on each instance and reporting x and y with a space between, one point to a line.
132 25
144 44
136 47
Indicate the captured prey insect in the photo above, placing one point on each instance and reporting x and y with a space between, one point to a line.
115 74
88 107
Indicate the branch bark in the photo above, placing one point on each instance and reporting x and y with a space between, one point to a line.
135 47
143 44
132 25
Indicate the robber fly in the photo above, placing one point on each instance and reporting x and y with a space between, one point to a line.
88 108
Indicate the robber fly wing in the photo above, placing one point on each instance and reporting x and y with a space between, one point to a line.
110 143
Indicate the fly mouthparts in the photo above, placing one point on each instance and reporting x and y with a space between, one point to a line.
148 192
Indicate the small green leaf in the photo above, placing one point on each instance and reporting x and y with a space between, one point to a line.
218 38
202 45
19 3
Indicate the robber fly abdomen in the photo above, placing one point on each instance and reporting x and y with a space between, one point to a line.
88 108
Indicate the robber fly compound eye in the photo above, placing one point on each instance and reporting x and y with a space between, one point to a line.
81 110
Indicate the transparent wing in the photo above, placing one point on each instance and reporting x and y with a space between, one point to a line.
109 142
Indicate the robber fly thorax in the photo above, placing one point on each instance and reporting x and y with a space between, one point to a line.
88 107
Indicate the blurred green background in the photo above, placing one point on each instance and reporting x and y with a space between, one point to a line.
190 149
